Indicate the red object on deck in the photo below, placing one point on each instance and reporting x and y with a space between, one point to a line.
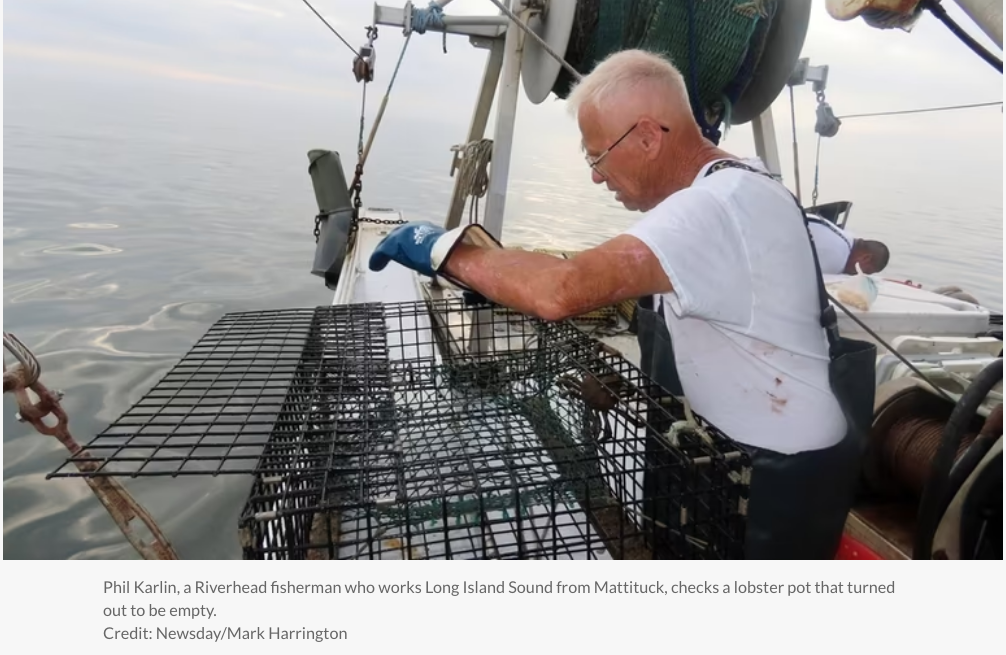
849 548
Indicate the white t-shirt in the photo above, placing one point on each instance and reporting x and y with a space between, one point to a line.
744 315
833 245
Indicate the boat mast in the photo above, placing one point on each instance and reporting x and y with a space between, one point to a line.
506 117
766 144
501 36
477 128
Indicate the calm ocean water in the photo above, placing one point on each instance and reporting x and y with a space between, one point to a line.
131 225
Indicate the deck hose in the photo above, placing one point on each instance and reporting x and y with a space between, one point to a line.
942 486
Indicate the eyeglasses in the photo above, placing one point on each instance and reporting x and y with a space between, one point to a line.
594 161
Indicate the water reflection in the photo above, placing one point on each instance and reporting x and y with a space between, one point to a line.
93 226
82 249
218 222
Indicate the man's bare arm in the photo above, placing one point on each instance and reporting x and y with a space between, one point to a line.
555 289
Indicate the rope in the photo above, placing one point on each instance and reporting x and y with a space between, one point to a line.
384 101
431 17
924 110
908 447
364 151
546 47
363 114
334 31
473 173
424 19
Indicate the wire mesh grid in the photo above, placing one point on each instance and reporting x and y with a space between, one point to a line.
434 430
253 376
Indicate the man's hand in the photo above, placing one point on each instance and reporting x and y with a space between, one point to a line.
411 245
425 247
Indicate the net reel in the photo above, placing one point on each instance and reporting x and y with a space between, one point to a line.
735 80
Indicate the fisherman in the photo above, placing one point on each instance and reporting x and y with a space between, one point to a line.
713 260
839 252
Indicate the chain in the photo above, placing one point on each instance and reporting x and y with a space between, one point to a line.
363 69
123 509
357 219
383 221
355 189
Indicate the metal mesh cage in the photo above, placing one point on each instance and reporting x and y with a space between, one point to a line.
435 430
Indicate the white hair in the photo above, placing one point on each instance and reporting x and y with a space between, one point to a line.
624 72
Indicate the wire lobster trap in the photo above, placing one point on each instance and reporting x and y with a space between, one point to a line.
435 430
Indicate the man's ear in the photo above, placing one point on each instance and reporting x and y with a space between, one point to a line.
650 135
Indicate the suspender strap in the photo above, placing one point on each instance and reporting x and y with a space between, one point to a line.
831 227
829 317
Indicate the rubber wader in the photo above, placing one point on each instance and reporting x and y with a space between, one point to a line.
798 504
657 361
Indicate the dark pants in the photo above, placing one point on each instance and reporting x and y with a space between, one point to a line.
797 504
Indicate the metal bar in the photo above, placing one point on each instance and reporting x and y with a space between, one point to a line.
988 15
490 26
462 21
506 115
477 129
796 147
766 144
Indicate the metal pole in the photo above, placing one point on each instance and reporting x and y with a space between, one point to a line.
506 115
477 26
766 145
480 117
470 21
796 147
988 15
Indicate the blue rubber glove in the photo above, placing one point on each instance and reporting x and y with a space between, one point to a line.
411 245
425 247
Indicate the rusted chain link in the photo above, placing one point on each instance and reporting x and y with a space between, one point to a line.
123 509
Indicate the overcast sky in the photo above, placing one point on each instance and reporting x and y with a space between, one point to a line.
268 51
280 45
